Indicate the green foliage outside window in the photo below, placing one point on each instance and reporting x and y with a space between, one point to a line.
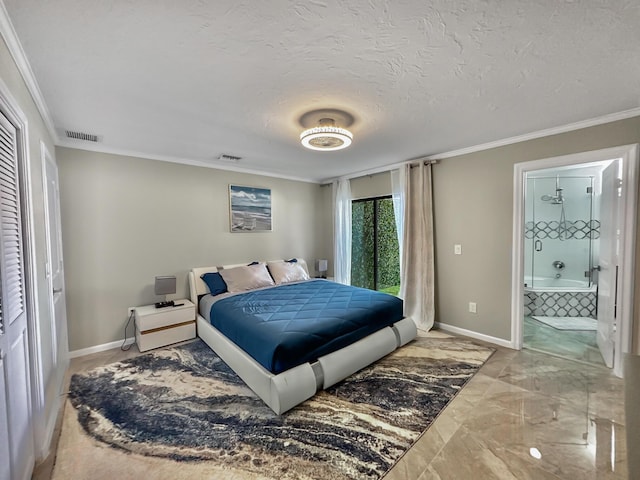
385 275
362 245
388 250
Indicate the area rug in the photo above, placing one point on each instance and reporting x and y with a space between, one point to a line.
569 323
182 413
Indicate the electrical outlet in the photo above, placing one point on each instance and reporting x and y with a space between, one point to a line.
130 311
473 307
457 249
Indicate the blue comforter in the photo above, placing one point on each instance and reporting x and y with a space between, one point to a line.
287 325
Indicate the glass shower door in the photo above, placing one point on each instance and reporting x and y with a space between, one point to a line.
559 229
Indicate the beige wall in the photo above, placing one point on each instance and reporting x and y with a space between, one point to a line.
126 220
325 221
105 211
473 206
370 186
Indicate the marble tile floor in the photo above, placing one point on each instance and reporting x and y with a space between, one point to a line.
525 415
572 344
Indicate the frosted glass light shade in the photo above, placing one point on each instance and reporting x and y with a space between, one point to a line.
326 136
322 265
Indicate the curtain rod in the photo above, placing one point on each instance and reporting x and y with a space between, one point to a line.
426 162
412 163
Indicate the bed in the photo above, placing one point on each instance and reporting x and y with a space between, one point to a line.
280 362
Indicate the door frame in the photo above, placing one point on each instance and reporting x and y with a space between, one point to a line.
60 356
629 157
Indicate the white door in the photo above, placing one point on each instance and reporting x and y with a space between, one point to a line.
55 354
16 426
608 261
55 269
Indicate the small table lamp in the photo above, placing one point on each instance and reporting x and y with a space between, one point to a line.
321 268
165 285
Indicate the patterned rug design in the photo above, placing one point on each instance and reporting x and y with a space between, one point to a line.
185 405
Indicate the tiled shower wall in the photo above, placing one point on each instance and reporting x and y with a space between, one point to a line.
578 230
560 304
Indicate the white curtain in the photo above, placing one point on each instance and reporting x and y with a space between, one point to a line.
416 240
398 193
342 231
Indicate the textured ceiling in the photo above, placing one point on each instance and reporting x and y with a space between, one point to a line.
195 79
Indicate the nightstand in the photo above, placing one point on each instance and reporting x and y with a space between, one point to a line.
157 327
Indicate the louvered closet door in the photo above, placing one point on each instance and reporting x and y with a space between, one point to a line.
16 434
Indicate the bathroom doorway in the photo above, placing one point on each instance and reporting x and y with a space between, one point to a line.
562 235
572 277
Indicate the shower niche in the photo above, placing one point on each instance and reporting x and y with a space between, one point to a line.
561 240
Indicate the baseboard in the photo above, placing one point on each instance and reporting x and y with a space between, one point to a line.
478 336
100 348
442 326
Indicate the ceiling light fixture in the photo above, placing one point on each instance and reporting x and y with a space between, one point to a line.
326 136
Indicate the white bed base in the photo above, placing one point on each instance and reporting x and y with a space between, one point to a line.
285 390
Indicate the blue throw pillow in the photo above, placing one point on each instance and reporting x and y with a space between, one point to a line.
293 260
253 263
215 283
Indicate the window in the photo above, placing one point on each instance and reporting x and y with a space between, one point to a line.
375 256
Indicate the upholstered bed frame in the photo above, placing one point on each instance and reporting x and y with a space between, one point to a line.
285 390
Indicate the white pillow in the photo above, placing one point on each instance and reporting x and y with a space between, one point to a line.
250 277
286 272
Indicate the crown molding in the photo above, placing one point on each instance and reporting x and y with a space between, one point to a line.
592 122
183 161
19 57
613 117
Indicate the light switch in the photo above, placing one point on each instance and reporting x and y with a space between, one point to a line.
457 249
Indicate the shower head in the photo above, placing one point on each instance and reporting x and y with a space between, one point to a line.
556 199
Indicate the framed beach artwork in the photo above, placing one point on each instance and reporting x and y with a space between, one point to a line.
250 209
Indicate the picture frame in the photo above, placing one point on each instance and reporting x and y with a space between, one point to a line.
249 209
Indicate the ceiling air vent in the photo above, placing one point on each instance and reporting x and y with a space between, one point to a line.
229 158
87 137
